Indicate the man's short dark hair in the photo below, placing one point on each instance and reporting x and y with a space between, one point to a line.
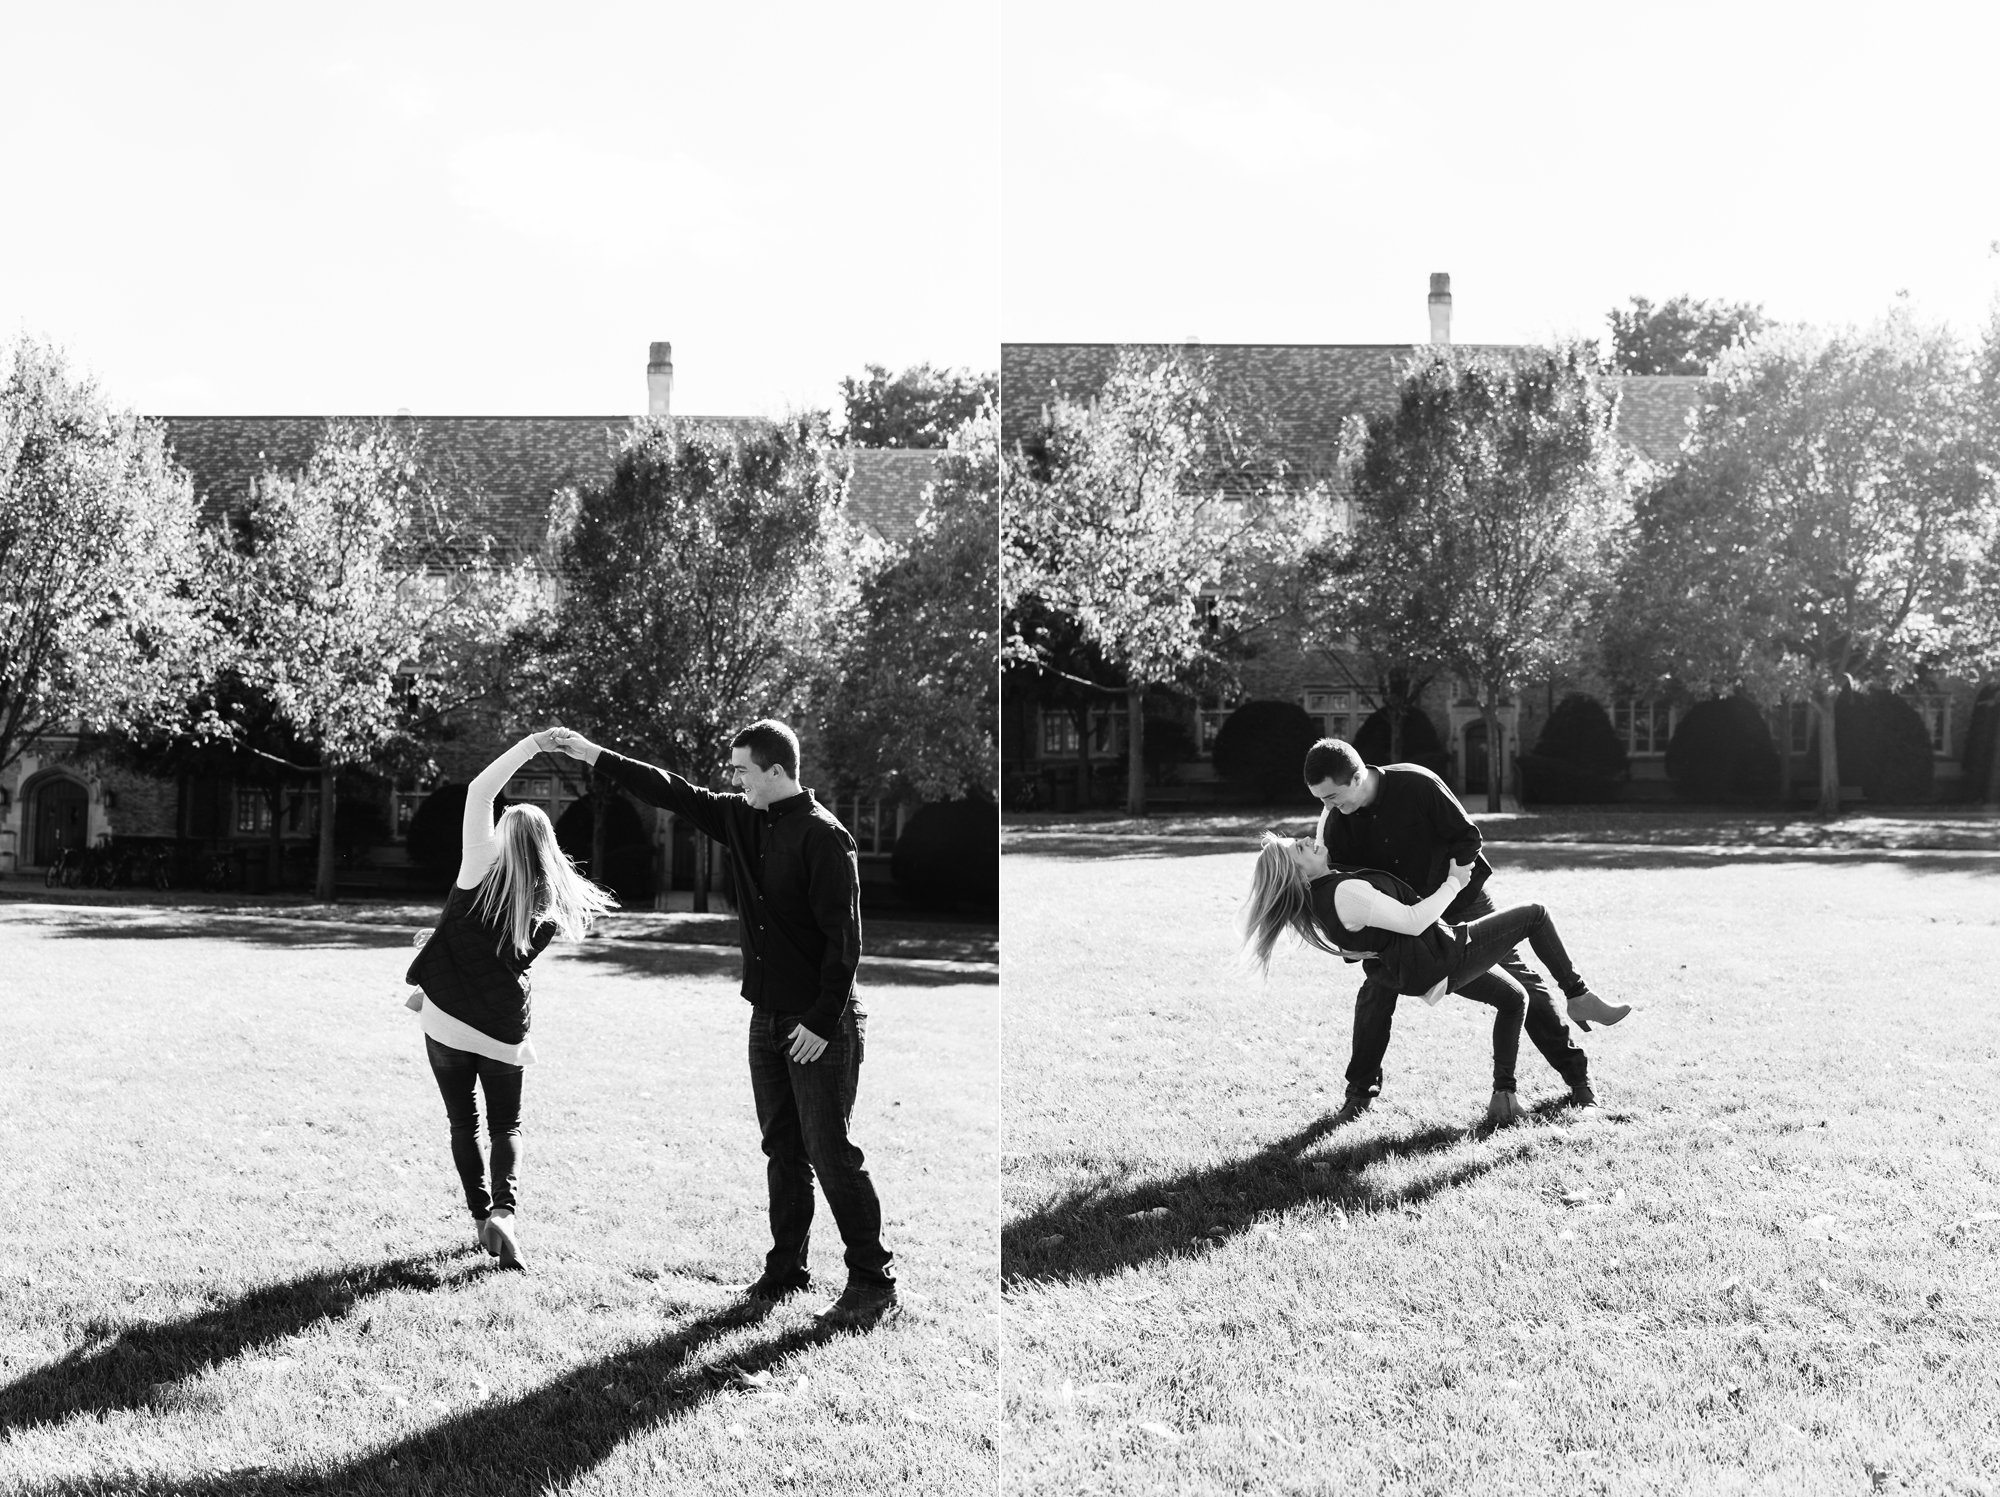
1332 759
770 742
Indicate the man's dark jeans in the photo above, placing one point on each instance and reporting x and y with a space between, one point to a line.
457 1071
1501 984
803 1111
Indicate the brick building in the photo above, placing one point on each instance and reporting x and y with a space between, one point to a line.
50 799
1301 394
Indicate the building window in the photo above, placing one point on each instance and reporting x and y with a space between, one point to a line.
1644 726
1107 732
1330 710
1211 724
1936 713
253 811
1058 735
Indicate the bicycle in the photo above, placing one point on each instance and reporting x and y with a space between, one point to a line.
66 868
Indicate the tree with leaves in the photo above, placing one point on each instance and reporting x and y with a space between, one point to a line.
1357 614
1489 505
1828 528
1681 335
910 713
100 623
360 611
1147 517
920 407
704 586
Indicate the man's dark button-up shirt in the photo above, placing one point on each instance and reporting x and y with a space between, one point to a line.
1414 828
798 889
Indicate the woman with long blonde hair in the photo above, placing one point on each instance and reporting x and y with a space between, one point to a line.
1367 915
515 892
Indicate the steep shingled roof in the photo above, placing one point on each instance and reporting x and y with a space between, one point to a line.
514 463
1303 392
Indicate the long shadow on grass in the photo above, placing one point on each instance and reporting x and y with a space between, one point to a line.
1973 858
1089 1232
129 1367
538 1442
670 960
262 932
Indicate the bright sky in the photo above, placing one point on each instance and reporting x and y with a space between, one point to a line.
267 209
1294 173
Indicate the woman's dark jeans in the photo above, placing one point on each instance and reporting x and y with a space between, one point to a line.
803 1111
457 1071
1375 1004
1479 976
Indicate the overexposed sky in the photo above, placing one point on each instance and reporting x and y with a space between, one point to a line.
493 209
1294 172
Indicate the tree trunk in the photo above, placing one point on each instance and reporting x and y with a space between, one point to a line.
1992 796
1489 713
275 798
1135 761
323 885
1829 753
665 867
1396 716
1784 751
1082 721
702 850
600 822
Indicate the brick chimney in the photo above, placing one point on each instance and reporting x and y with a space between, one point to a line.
1440 308
660 380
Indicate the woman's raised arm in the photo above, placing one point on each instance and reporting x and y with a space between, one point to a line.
476 832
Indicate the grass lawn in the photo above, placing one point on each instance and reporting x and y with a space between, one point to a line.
234 1259
1774 1266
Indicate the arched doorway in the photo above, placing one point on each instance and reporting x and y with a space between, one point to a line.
61 819
1478 762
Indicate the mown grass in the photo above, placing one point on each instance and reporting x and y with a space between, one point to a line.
1771 1267
233 1258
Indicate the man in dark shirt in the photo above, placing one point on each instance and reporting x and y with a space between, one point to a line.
799 919
1404 819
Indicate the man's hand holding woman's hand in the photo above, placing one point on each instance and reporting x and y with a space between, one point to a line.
1461 874
566 741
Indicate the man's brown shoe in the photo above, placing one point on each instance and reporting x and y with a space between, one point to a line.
860 1306
1356 1104
769 1288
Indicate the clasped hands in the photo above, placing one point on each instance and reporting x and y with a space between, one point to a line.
564 741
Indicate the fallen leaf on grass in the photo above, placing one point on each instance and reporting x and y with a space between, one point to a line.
1151 1213
1160 1432
1576 1197
1820 1226
1054 1239
756 1382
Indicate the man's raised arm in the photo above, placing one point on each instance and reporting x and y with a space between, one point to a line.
650 783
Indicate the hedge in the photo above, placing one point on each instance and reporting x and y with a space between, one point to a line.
948 856
1262 746
1722 750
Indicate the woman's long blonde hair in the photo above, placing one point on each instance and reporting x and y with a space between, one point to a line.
1280 896
532 880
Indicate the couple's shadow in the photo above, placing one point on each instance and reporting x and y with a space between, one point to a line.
1089 1231
506 1447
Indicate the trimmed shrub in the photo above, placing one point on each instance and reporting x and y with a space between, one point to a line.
1421 744
1896 763
1579 733
948 856
1883 747
436 836
1262 747
1578 757
628 852
1722 750
1979 741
